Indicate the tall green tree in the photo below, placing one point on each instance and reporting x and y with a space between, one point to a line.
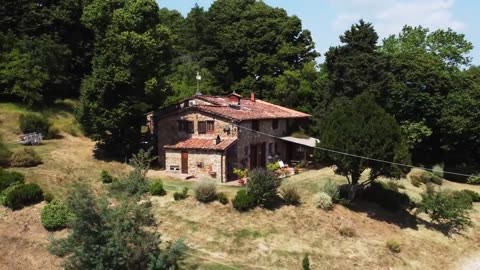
250 44
133 52
427 84
362 129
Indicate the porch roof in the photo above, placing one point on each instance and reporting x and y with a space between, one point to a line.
309 142
202 144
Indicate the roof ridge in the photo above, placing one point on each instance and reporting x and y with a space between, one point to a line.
281 107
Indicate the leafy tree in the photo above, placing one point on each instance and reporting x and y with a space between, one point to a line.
356 66
250 44
114 236
263 186
132 57
296 88
362 129
428 87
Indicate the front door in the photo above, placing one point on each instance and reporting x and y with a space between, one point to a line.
185 162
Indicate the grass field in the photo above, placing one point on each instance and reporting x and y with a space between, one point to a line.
220 237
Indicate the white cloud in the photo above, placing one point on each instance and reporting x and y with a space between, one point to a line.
389 16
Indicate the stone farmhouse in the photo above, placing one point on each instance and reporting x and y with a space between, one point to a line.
212 135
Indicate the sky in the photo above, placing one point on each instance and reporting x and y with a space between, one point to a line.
328 19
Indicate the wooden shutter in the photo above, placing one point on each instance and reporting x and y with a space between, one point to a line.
210 126
202 127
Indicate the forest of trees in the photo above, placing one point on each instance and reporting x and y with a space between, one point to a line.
122 58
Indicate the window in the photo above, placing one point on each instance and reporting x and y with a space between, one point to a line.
202 127
255 125
185 126
210 126
276 148
274 123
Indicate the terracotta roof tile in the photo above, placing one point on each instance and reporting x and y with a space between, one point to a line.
202 144
248 110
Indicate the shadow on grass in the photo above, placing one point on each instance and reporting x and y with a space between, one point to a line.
401 218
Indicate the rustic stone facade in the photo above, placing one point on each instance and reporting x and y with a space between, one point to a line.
249 149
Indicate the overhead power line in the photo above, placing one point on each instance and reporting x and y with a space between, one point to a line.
359 156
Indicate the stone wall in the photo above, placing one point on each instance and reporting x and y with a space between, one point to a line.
247 137
200 162
168 133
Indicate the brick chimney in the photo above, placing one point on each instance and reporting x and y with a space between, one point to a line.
252 97
234 98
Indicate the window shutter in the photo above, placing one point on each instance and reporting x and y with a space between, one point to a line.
202 127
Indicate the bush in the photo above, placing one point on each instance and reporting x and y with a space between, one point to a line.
306 263
241 173
385 196
48 197
436 180
243 201
474 180
106 177
415 198
333 190
133 185
222 198
437 170
26 157
156 188
475 196
323 201
32 122
347 232
450 210
53 133
290 195
20 195
263 185
206 191
393 246
273 166
56 215
181 195
415 180
8 178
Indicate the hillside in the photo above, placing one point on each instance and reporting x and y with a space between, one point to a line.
221 238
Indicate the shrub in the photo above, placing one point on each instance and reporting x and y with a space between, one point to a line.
475 196
333 190
273 166
306 263
347 232
436 180
32 122
263 185
474 179
290 195
156 188
323 201
415 180
56 215
25 157
448 209
48 197
415 198
437 170
206 191
53 133
393 246
106 177
20 195
181 195
134 184
222 198
383 195
243 201
8 178
241 173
